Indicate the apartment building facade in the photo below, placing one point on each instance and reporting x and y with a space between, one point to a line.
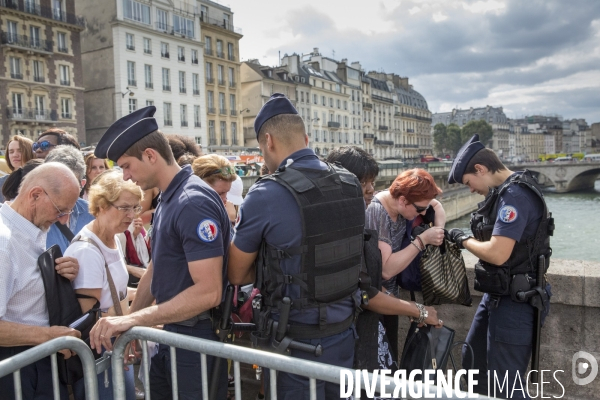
41 83
222 71
138 53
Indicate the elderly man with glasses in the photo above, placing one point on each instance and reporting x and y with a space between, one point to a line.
48 194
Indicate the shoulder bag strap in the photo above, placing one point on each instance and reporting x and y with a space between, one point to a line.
111 283
65 231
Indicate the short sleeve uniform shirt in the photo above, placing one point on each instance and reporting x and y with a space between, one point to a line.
270 212
190 224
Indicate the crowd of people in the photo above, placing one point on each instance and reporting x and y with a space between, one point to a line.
157 237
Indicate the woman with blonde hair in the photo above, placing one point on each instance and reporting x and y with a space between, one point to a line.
217 172
94 167
103 274
19 150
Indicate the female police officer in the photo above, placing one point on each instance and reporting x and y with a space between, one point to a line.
511 232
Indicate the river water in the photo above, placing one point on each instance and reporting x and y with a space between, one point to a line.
577 221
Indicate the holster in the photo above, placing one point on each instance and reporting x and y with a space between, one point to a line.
492 279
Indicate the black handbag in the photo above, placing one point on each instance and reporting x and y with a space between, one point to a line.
426 347
64 310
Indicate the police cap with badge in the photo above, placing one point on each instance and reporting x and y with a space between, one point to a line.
124 132
277 104
464 155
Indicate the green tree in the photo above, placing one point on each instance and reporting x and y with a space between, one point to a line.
481 127
440 138
454 140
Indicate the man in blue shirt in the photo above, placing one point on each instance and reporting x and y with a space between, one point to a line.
507 243
190 243
80 215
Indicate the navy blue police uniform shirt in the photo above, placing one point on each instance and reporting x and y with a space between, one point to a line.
190 224
519 213
270 211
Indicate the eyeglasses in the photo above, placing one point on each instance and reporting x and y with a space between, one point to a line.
419 208
43 146
365 184
60 213
128 209
226 171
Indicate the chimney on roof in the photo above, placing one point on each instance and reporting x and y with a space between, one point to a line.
253 61
316 51
315 66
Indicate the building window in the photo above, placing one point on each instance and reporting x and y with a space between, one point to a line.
212 140
232 104
339 103
230 55
35 36
181 53
62 42
167 114
234 140
209 74
315 99
166 79
195 57
203 12
211 102
12 32
164 50
136 11
222 109
65 76
183 26
182 82
330 102
231 77
196 84
197 117
198 140
65 108
38 71
131 74
323 100
162 20
208 45
149 103
148 76
220 73
183 114
132 105
223 134
147 46
39 107
220 49
17 104
129 41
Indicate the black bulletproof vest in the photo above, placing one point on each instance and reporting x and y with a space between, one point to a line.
523 258
333 216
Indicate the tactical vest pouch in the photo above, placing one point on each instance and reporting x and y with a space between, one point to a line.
492 279
332 287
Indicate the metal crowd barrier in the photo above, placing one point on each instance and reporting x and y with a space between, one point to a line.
274 362
15 363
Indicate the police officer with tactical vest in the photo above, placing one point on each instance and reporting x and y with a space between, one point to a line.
511 237
300 237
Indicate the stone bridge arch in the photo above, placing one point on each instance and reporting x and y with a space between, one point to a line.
567 177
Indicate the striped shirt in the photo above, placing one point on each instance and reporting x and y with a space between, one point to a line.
22 295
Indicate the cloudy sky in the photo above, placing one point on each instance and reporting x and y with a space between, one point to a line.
528 56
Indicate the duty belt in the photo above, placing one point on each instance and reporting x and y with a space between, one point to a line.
195 319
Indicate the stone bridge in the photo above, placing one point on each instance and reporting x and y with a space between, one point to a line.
566 177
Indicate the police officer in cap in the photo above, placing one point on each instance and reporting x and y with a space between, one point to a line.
511 230
190 242
303 224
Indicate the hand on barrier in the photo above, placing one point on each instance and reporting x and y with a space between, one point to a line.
68 267
107 328
457 236
433 236
60 331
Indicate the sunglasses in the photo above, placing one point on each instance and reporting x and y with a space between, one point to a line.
227 171
43 146
420 209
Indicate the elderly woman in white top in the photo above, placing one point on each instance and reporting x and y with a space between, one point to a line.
115 203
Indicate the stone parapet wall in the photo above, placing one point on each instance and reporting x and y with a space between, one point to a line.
573 323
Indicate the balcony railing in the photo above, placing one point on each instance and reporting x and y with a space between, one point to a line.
131 82
224 142
212 141
208 52
43 11
66 115
221 82
333 124
182 90
149 85
367 106
223 111
31 114
383 128
384 142
166 88
210 79
11 39
168 122
220 54
231 84
63 49
65 82
130 47
15 75
164 54
384 99
233 113
147 51
197 124
219 22
230 57
196 92
181 58
39 79
211 110
195 61
184 123
397 114
368 136
410 130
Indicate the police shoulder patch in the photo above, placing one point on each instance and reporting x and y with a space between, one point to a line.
208 230
508 214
